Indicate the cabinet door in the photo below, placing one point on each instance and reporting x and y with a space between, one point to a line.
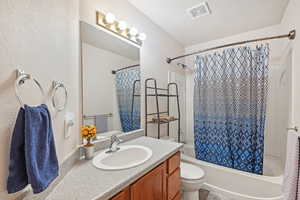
124 195
174 184
152 186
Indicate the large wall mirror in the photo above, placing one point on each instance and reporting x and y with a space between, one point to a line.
110 82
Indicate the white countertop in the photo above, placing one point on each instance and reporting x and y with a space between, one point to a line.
86 182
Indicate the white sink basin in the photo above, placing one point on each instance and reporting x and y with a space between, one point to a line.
127 157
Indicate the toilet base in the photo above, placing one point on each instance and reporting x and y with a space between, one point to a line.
191 195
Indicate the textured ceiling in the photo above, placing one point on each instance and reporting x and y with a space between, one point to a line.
228 17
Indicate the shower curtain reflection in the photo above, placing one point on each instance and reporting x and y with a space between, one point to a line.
128 94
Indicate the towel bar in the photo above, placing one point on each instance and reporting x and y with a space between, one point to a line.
94 116
293 129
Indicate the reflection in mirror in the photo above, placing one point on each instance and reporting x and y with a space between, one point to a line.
128 81
110 81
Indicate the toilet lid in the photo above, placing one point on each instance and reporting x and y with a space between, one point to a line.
190 171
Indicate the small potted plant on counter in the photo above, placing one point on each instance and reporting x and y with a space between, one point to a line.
88 132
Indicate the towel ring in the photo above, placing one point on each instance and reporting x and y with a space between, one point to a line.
55 86
21 78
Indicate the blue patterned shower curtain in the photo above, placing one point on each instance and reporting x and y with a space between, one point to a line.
129 110
230 107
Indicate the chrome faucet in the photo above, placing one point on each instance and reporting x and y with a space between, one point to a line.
114 142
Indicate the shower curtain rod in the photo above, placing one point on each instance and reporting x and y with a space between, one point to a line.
128 67
290 36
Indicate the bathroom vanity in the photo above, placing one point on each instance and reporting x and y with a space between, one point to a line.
163 183
156 179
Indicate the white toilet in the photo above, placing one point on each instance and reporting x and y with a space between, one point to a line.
192 178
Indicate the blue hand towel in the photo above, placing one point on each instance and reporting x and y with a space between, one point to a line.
17 178
39 151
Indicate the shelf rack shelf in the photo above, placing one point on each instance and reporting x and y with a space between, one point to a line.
157 92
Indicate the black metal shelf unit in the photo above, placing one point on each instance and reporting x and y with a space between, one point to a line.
158 93
134 95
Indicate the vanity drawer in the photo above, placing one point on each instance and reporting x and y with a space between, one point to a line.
174 184
173 163
124 195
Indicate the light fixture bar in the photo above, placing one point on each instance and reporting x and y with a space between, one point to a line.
109 22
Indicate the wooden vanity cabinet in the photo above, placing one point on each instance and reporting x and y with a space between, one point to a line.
124 195
173 177
152 186
161 183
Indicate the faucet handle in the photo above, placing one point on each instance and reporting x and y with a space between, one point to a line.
115 138
114 141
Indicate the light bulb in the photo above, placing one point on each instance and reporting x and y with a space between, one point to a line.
110 18
122 25
142 36
133 31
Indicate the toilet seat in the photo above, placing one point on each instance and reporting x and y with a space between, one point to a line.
190 171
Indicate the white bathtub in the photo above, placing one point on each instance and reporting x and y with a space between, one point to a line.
234 184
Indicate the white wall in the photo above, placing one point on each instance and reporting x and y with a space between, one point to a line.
156 48
99 91
275 136
41 37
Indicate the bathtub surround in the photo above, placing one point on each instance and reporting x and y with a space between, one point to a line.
291 182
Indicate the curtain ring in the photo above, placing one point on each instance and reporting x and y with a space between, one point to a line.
21 78
55 86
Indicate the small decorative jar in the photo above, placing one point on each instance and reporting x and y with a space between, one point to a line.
89 151
88 132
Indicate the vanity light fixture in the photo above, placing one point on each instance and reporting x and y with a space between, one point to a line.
109 22
133 32
122 25
109 18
